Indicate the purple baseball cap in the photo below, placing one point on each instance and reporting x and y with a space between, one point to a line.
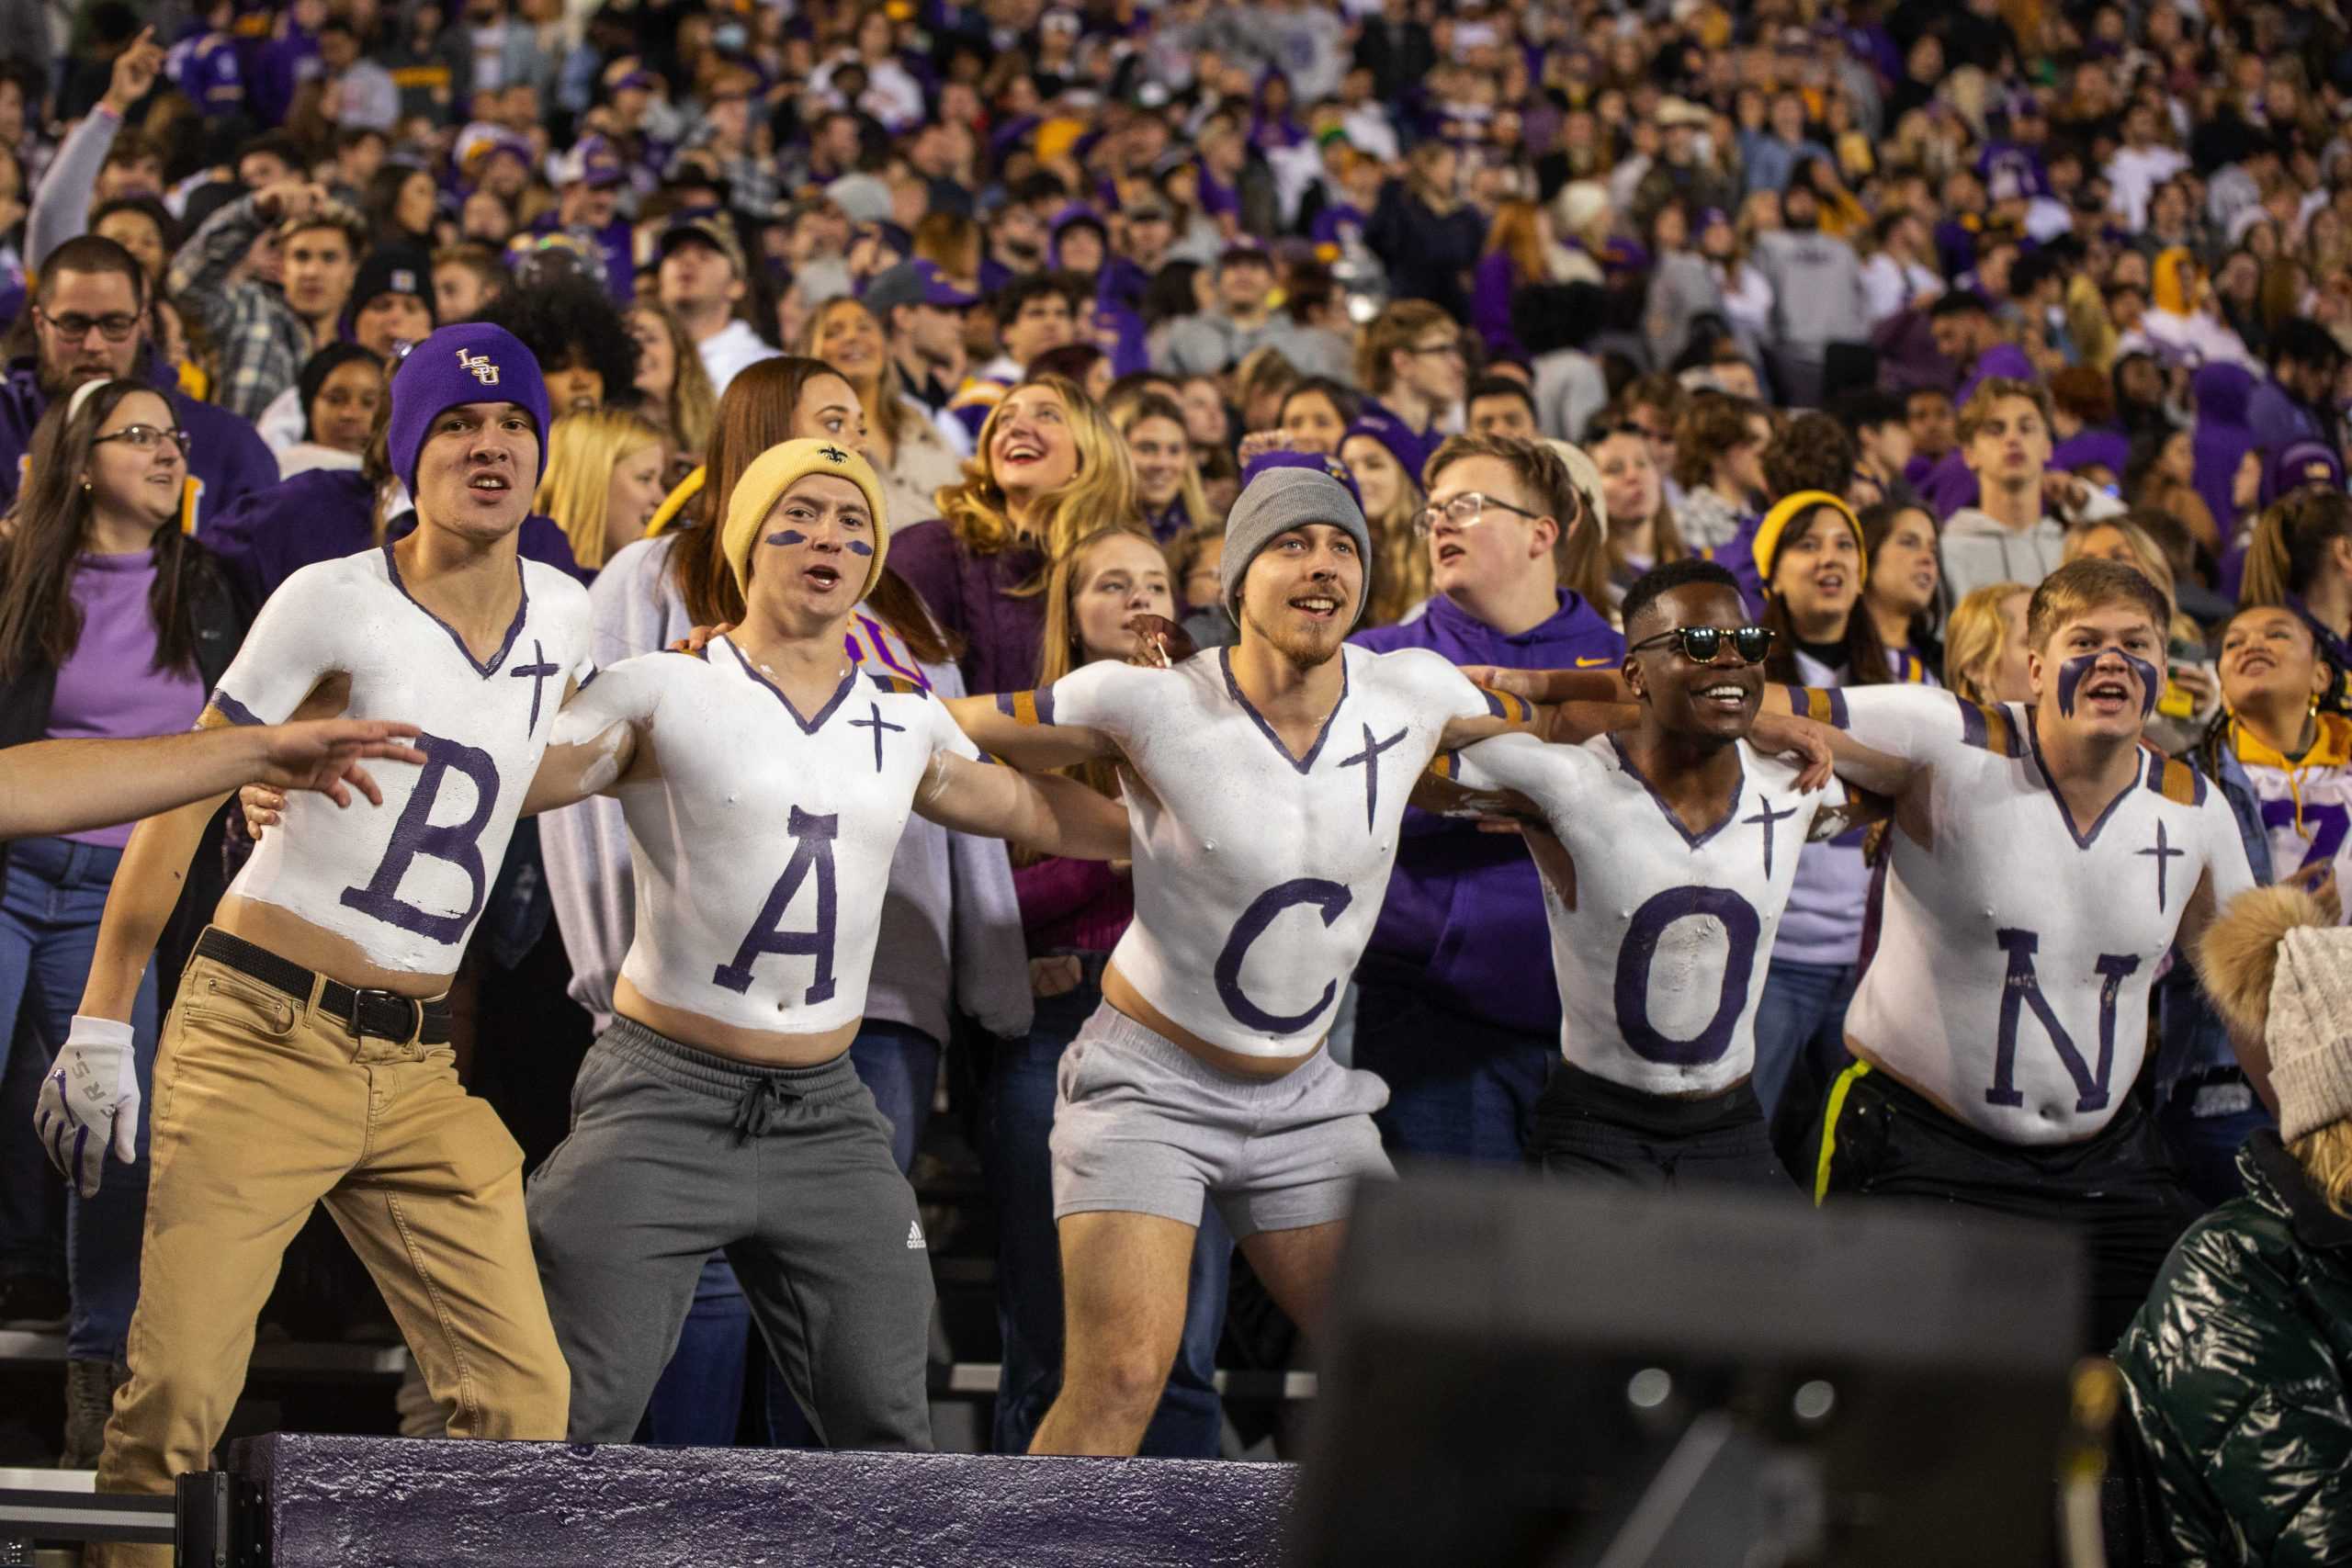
916 283
596 164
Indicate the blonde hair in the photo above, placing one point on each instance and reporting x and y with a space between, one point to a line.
1062 653
694 402
2326 1158
2153 564
582 451
1976 639
886 410
1399 567
1101 494
1128 411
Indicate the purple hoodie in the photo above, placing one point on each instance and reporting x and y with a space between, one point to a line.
272 534
2223 437
1465 909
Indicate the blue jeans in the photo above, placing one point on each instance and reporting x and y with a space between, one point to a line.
48 929
1459 1088
700 1399
1799 1050
2205 1121
1017 1115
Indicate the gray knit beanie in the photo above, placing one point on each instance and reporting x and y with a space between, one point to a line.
2310 1031
1275 501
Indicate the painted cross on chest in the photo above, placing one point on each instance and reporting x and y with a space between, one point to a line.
2162 852
536 672
876 724
1767 817
1370 757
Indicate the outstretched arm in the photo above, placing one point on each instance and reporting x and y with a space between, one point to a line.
593 747
1551 687
1018 727
1046 812
68 786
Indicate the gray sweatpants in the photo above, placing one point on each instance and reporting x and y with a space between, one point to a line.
675 1153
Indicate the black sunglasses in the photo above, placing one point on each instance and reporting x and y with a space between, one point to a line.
1701 645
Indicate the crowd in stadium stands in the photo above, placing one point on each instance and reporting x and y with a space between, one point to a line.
1891 310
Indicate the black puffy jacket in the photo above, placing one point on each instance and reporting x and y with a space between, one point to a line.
2238 1369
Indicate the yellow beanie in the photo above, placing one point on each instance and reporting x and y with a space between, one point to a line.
1784 512
776 470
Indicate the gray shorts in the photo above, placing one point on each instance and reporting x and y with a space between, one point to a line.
1142 1126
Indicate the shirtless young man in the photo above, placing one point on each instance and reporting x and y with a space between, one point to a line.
2042 863
1270 778
307 1059
765 784
1669 850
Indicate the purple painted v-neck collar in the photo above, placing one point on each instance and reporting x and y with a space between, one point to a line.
522 613
1304 764
807 726
1689 838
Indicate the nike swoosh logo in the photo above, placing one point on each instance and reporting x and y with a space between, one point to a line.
1588 663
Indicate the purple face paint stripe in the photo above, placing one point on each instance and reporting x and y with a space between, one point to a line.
1694 839
2070 676
1303 764
787 536
232 710
2150 685
522 614
857 547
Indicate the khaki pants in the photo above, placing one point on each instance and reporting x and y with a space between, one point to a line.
263 1108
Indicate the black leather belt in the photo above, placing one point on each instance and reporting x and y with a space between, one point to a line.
383 1015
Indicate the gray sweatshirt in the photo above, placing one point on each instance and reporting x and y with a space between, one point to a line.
1979 549
1818 293
60 208
951 924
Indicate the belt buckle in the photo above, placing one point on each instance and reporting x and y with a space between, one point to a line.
362 1001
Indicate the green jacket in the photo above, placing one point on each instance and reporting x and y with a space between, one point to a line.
2237 1369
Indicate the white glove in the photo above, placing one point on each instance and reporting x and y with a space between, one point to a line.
90 1095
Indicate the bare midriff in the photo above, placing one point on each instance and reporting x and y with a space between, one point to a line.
1128 1000
338 958
757 1047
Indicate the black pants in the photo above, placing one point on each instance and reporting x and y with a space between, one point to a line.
1589 1129
2119 1189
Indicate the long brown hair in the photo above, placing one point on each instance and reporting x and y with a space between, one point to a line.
2290 544
756 413
1865 652
47 529
694 405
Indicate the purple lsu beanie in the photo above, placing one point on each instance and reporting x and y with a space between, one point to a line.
472 362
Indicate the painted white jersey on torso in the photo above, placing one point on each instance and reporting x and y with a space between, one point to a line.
1258 876
1661 955
761 842
404 881
2015 949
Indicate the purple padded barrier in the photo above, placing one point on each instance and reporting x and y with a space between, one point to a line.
333 1502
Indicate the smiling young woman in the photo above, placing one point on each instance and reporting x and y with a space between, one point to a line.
113 623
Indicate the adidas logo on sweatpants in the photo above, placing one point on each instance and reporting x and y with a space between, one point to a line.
914 1236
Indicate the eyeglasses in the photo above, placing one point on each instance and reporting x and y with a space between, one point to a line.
1701 645
144 436
1463 512
113 329
1451 349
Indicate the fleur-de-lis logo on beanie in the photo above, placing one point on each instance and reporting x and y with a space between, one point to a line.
832 454
479 366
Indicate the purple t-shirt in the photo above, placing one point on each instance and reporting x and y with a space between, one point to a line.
107 688
1464 911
